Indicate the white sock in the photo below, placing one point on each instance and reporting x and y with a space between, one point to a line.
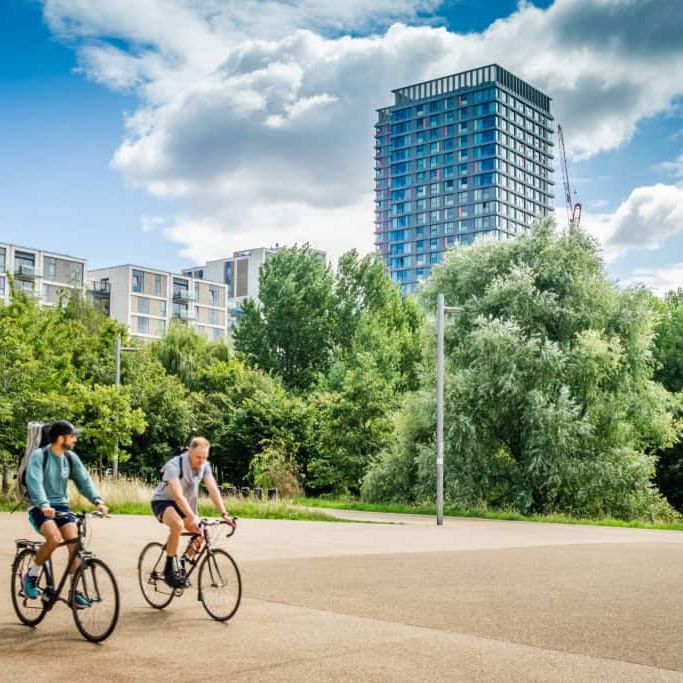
34 569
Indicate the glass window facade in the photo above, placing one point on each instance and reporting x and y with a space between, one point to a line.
455 158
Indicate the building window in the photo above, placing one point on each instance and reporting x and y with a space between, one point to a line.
76 274
2 260
162 308
138 280
213 296
157 284
143 305
217 333
2 286
213 316
51 266
143 325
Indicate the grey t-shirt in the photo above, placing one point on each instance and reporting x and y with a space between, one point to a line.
189 481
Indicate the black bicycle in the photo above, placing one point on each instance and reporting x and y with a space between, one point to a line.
97 609
219 584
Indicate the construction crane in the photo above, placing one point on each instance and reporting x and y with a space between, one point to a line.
573 209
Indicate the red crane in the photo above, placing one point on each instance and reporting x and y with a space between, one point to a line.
573 209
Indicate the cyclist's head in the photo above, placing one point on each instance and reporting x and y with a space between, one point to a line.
63 434
198 451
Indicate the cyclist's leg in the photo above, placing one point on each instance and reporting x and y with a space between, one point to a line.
175 525
69 531
49 531
172 519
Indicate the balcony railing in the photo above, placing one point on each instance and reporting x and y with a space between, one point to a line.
26 272
183 296
100 289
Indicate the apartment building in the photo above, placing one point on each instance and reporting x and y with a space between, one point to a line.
240 273
147 300
457 157
44 275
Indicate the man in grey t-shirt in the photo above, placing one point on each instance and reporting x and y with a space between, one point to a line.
174 501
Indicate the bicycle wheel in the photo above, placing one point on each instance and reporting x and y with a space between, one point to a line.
220 585
154 588
30 612
96 583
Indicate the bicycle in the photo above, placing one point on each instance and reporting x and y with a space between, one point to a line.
219 584
93 580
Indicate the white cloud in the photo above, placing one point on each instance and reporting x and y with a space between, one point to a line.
255 110
644 220
659 280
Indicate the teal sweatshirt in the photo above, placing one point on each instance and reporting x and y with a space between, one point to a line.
48 487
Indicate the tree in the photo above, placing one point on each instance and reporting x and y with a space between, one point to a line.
292 331
550 398
668 351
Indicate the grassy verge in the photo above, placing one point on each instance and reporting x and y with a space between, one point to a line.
245 509
401 508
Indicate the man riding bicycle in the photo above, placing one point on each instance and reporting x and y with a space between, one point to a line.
174 502
47 474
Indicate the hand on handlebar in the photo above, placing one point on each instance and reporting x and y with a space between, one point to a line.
230 521
193 524
102 509
48 512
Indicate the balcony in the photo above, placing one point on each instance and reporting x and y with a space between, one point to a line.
26 272
184 316
183 296
100 290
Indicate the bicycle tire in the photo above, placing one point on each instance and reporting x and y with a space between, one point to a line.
89 581
19 568
147 581
210 573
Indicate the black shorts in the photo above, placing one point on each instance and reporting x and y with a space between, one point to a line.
159 507
38 518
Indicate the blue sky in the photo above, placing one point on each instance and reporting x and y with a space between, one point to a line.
170 131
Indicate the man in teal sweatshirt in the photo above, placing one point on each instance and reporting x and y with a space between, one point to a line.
46 481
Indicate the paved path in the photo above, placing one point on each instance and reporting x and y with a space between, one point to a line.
473 600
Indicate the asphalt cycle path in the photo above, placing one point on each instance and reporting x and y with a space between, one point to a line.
472 600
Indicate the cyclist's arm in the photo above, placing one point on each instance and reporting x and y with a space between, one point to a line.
179 498
34 481
214 493
83 481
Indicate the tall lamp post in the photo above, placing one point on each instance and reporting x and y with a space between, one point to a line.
441 310
117 381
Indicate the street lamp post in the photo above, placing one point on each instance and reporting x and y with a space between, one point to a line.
441 310
117 381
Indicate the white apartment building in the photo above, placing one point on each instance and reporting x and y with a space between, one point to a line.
240 273
147 300
44 275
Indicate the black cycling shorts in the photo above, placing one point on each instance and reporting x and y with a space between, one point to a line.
159 507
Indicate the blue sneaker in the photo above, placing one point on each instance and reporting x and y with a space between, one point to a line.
81 601
31 586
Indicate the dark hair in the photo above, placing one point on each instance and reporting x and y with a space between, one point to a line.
62 428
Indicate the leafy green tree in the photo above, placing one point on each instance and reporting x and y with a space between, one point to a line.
367 298
292 331
668 351
168 407
550 400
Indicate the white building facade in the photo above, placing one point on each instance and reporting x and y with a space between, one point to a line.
147 300
44 275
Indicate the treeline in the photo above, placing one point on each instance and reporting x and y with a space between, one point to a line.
563 392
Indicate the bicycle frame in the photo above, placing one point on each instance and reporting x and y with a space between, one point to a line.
52 595
205 547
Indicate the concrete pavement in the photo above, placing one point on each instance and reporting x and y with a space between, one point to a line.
473 600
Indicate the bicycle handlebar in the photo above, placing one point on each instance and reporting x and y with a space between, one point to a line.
215 522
